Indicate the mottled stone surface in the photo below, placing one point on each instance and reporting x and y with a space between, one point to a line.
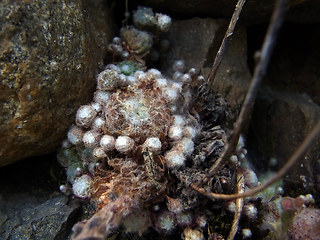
31 206
253 12
50 52
305 225
197 41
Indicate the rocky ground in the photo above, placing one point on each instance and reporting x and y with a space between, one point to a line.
31 205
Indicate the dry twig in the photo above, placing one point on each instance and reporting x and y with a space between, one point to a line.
239 203
104 221
225 40
292 160
260 70
268 46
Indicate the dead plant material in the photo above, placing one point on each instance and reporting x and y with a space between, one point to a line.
260 70
268 46
239 203
223 46
292 160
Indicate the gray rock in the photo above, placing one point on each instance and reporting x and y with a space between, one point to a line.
194 41
50 53
294 66
45 221
279 124
254 11
31 206
288 106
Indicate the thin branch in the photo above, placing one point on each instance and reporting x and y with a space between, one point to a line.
277 19
239 204
225 40
292 160
104 221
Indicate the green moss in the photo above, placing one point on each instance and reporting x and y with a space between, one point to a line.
128 67
67 156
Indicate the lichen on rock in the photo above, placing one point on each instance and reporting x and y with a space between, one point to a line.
49 55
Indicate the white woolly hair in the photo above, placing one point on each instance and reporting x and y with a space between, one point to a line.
124 144
91 138
190 132
171 94
107 142
81 186
75 135
185 145
175 132
175 159
179 120
85 115
154 144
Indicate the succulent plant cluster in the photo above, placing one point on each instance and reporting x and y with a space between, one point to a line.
138 126
128 149
132 114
